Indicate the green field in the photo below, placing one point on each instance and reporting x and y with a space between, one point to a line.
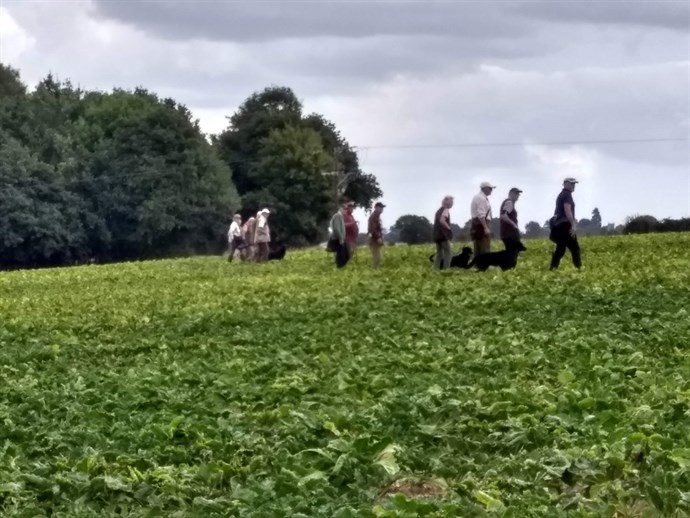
200 388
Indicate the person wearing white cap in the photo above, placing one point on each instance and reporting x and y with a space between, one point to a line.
480 211
263 235
563 226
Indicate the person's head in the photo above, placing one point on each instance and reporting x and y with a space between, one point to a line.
569 184
378 207
487 188
237 218
447 202
349 207
514 194
265 213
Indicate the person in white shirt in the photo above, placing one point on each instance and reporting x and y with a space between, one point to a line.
480 211
263 235
235 241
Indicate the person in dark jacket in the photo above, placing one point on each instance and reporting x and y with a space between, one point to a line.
443 234
510 231
563 226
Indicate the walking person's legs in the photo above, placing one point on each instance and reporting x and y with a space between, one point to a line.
559 252
574 248
447 255
342 255
438 258
375 255
262 252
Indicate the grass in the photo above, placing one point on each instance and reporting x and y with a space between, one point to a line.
201 388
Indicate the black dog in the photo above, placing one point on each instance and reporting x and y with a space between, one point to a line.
461 260
505 259
277 253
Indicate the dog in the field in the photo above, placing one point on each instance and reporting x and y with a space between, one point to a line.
505 259
460 260
277 253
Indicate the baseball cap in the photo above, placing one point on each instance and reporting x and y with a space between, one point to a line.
487 184
515 189
570 180
265 211
379 204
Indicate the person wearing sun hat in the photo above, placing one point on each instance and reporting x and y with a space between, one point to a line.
480 211
263 235
563 226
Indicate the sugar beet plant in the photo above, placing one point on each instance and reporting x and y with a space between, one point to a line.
200 388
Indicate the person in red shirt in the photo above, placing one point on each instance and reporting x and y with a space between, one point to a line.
351 228
375 232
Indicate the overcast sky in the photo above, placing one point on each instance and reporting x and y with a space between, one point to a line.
394 75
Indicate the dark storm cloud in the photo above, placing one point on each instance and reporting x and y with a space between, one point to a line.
245 21
673 14
270 20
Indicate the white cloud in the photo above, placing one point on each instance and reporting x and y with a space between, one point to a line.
14 40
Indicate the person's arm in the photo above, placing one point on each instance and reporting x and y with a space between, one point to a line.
483 215
568 209
508 207
445 218
485 219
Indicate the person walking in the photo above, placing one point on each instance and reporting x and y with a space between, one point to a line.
442 234
263 235
563 226
510 231
351 228
375 231
342 253
248 233
480 212
235 241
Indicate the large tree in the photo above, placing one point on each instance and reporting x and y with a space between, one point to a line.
413 229
10 82
243 147
359 187
41 223
123 175
290 163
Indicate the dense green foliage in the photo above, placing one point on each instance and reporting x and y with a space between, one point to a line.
270 145
115 176
196 387
126 175
647 224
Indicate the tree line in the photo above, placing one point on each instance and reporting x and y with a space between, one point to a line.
412 229
127 175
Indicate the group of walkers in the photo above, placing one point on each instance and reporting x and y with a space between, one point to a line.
345 232
252 238
562 225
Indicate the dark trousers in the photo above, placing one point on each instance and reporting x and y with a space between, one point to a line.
237 243
564 241
342 255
